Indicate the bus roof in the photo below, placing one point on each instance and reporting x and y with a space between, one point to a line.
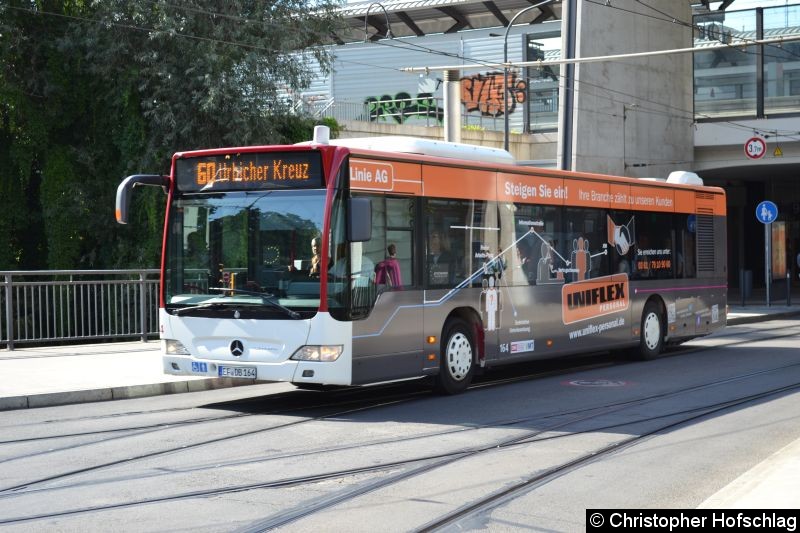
413 145
469 152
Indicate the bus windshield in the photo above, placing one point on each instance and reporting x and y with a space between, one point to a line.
255 251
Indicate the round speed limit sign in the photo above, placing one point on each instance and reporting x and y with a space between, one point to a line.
755 148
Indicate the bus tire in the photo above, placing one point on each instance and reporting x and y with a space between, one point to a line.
651 339
457 360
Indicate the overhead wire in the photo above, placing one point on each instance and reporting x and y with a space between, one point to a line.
690 115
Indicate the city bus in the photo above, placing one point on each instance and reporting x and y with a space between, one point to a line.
363 261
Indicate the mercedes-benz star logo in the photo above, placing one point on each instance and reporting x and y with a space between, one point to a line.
237 348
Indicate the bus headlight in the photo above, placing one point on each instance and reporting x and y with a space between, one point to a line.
173 347
318 353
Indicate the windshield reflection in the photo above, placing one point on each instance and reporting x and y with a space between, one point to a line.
246 249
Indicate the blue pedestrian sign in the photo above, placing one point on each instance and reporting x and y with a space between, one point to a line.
766 212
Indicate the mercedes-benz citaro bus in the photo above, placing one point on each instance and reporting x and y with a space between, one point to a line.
362 261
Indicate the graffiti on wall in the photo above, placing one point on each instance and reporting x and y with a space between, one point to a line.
402 107
481 93
484 93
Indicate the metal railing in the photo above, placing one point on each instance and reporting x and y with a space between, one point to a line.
44 306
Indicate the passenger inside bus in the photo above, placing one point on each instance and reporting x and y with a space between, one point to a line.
387 272
313 269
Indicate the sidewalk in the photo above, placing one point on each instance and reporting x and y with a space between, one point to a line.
59 375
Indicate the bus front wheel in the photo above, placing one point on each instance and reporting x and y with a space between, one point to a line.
457 360
651 340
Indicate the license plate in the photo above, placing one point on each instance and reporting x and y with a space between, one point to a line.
237 372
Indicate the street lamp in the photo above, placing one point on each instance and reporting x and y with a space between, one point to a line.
505 67
388 34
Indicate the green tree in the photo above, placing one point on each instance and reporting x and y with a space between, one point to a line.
93 91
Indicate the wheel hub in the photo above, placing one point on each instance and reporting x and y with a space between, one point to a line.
459 356
652 331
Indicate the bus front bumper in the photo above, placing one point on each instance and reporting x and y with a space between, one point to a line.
325 373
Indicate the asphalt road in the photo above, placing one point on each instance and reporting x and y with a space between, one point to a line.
509 455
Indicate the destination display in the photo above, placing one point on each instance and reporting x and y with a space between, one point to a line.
246 171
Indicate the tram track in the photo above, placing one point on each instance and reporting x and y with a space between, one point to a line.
506 422
532 482
371 399
414 466
138 430
534 437
430 463
183 447
426 464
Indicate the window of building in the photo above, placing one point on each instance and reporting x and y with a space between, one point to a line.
541 103
728 82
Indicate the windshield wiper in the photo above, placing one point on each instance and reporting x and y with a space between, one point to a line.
265 298
212 305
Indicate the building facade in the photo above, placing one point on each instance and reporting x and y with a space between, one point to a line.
731 115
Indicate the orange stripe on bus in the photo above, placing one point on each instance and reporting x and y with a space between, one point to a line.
521 188
588 193
451 182
652 199
526 185
385 176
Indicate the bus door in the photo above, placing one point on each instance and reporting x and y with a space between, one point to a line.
387 337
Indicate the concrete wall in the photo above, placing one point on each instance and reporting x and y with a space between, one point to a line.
720 145
632 117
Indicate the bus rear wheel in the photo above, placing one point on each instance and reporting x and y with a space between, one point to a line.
457 361
651 340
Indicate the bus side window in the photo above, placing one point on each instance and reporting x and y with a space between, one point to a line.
392 224
400 214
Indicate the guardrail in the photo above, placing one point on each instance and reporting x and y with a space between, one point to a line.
42 306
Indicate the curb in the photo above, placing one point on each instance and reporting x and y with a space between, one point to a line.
118 393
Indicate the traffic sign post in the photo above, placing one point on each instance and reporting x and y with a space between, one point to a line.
767 213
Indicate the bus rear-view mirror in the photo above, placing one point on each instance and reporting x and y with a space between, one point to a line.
124 191
359 220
